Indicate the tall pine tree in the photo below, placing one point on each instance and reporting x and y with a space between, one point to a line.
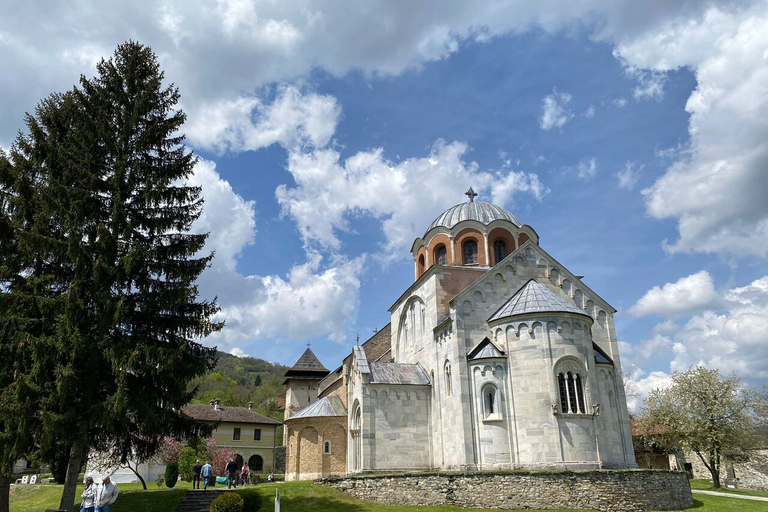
112 223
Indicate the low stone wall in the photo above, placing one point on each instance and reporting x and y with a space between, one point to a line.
627 490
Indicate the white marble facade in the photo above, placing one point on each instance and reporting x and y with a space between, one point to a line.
480 381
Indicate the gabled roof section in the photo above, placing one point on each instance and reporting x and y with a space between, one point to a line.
600 356
398 373
323 408
534 298
361 359
486 349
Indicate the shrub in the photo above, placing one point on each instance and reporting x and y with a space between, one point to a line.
229 502
171 475
159 480
251 500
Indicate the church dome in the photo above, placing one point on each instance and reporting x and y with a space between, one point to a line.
479 211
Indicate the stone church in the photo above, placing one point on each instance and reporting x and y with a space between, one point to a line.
496 357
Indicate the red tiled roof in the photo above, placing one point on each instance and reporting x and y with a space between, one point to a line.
226 414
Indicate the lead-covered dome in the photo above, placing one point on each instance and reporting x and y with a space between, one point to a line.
479 211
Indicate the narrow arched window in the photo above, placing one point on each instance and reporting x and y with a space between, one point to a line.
580 394
490 402
448 383
491 397
563 393
571 392
499 250
327 447
469 250
440 255
421 265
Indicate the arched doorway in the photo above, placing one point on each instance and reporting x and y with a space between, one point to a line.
256 463
239 461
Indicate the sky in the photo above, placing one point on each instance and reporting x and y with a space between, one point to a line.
632 136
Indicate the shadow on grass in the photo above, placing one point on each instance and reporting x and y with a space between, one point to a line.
316 504
697 503
144 501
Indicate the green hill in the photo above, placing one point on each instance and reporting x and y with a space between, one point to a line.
239 380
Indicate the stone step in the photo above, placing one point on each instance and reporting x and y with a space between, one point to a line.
199 500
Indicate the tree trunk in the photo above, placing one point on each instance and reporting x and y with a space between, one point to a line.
5 493
70 482
135 472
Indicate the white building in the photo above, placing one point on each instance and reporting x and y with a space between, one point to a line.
496 357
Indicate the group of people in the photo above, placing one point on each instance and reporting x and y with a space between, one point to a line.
98 498
235 474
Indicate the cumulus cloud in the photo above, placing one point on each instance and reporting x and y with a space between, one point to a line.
731 339
688 294
554 110
330 190
258 307
628 176
292 119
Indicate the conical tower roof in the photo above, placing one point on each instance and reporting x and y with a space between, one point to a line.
307 366
535 298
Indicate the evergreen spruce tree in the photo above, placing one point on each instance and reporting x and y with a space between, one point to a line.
117 265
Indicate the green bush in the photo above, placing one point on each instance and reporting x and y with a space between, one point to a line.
187 459
171 475
229 502
251 499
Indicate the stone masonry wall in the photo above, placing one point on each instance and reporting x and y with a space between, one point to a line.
635 490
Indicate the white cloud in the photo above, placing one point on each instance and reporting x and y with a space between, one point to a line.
731 340
587 169
238 352
555 112
629 175
688 294
590 112
292 119
620 102
403 194
650 84
258 307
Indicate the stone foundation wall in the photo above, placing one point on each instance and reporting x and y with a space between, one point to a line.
598 490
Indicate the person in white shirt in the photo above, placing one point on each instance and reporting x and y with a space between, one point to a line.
106 495
89 496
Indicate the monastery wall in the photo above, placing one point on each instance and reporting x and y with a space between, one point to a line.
596 490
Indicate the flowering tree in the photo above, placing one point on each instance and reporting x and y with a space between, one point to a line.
170 450
221 457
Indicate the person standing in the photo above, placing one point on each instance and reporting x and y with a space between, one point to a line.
89 496
232 476
206 472
106 495
244 474
196 469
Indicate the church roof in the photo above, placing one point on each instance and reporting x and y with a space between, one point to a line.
225 414
308 366
486 349
323 408
600 356
534 298
398 373
479 211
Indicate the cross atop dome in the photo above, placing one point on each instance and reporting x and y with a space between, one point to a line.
471 194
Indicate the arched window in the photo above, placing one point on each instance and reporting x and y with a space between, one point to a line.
448 383
490 403
440 255
499 250
421 265
570 386
469 249
327 447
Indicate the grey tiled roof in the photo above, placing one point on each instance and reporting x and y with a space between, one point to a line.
309 362
398 373
323 408
482 212
534 298
600 356
361 359
486 349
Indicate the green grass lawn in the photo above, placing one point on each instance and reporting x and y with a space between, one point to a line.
706 485
296 497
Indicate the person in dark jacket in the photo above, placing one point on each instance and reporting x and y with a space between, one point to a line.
196 469
232 474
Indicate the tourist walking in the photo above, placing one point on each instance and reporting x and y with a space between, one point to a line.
206 472
196 469
244 474
232 476
89 496
106 495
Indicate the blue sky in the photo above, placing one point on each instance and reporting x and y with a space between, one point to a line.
631 136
